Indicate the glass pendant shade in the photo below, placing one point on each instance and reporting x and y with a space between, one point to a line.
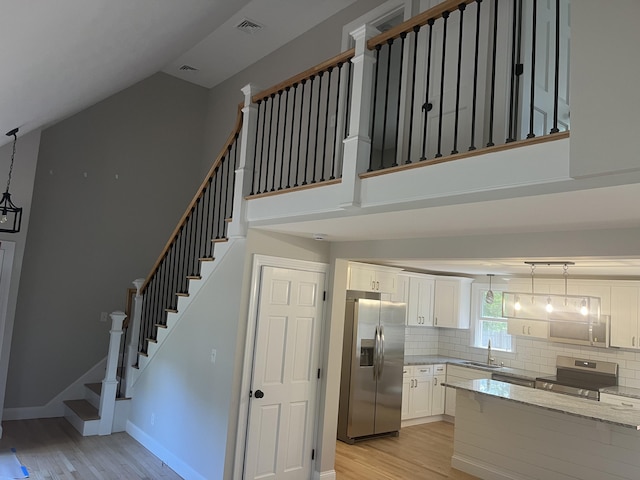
575 308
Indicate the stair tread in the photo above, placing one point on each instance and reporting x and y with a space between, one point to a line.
83 409
219 240
207 259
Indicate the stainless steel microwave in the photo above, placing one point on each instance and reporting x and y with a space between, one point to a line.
595 334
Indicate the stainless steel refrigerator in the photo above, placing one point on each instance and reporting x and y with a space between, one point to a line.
372 364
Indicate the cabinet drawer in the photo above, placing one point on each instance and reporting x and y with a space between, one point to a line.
439 369
422 370
620 400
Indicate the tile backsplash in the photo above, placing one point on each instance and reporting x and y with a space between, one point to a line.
530 354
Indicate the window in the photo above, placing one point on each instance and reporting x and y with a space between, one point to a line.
489 324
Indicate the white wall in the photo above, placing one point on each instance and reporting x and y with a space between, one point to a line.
181 403
604 92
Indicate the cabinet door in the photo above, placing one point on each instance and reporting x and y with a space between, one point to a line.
385 281
527 328
438 395
446 301
402 290
361 278
407 384
413 316
420 309
420 403
624 316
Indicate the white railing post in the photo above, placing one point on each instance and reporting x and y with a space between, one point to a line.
110 382
244 170
357 146
132 347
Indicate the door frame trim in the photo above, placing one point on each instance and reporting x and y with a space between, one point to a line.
260 261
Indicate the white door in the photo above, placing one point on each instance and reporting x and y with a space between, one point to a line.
544 77
282 410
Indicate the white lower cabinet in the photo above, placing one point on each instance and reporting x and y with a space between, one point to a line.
626 402
458 373
422 391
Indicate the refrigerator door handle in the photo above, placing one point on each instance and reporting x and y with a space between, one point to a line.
376 354
381 358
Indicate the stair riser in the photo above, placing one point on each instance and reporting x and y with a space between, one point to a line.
86 428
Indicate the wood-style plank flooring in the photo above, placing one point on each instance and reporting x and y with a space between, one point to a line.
51 449
422 452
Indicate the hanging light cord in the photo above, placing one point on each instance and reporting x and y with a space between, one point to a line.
13 154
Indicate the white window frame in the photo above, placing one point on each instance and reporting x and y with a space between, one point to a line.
476 316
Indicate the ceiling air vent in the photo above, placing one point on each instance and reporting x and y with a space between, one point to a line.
188 68
249 26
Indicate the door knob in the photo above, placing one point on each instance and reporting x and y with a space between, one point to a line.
259 394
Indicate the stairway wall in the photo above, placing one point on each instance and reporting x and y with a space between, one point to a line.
90 236
181 401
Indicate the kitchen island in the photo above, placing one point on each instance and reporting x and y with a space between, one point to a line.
505 431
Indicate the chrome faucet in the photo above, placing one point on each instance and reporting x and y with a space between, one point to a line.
490 359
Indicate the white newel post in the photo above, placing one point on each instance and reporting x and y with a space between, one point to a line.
357 146
110 382
244 171
132 346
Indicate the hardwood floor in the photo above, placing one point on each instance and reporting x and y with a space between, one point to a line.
51 448
422 452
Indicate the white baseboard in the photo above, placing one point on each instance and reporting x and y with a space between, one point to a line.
55 407
176 464
328 475
419 421
481 469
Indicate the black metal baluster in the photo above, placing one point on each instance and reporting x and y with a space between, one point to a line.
269 135
516 104
284 136
189 223
306 160
475 79
207 236
172 262
532 94
416 30
492 102
300 132
386 102
335 125
426 106
556 74
221 203
347 113
403 35
213 208
326 125
275 148
255 151
514 69
315 141
218 201
462 8
293 121
375 102
225 215
264 122
445 16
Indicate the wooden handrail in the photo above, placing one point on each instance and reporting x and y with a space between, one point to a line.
419 20
321 67
232 138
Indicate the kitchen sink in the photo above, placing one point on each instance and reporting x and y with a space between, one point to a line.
481 364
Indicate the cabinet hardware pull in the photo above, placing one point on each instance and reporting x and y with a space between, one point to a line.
436 322
378 285
416 383
373 284
627 404
529 330
435 380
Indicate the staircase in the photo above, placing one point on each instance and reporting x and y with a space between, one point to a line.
84 414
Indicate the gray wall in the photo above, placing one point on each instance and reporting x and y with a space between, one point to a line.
313 47
90 236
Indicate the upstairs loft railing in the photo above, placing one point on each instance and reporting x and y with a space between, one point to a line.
468 75
203 224
301 123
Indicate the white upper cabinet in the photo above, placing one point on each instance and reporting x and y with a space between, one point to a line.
372 278
625 303
452 302
420 304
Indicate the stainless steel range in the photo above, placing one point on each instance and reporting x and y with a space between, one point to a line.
580 377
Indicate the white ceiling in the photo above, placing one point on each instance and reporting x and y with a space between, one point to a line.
596 208
62 56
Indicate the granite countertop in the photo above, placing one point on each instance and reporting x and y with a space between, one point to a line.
435 359
579 407
622 391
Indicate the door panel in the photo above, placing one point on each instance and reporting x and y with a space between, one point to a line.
282 408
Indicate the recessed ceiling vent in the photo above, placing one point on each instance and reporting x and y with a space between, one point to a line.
249 26
188 68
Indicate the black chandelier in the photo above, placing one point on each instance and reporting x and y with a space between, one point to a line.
10 215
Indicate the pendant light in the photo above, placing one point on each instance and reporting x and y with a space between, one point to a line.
489 295
10 215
